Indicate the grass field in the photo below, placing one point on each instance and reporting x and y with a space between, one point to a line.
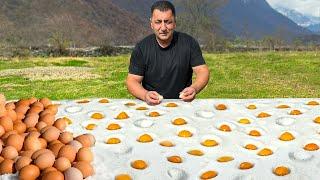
233 75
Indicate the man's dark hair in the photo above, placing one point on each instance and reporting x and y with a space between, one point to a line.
163 6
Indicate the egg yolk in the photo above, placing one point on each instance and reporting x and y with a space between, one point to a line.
244 121
312 103
317 120
91 126
123 177
154 114
145 138
139 164
254 133
113 126
246 165
263 115
286 136
130 104
281 171
195 152
283 106
209 143
225 128
295 112
265 152
122 115
113 141
208 175
174 159
311 147
185 133
225 159
97 116
166 143
141 108
251 147
179 121
171 105
103 101
221 107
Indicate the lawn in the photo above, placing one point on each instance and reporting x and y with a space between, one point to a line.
233 75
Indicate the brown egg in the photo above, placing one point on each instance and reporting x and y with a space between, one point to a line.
22 162
33 134
62 164
32 100
20 127
45 101
54 142
85 168
3 110
22 108
37 103
48 119
46 112
43 143
51 134
6 123
10 106
31 143
68 151
55 148
41 125
26 153
1 159
7 167
49 169
31 120
20 116
44 160
2 131
32 129
7 134
12 114
35 109
38 152
23 102
9 152
53 108
84 154
16 141
61 124
53 175
75 144
66 137
29 172
44 129
73 174
85 140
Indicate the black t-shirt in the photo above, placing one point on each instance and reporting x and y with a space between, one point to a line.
166 70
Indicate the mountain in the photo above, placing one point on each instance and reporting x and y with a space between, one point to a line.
124 22
256 19
310 22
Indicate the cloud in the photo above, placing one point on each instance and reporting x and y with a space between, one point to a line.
309 7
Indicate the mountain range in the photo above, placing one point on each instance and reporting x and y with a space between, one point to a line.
124 22
310 22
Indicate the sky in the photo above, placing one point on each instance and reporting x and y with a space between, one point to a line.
309 7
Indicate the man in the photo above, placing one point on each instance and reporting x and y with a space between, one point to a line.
163 62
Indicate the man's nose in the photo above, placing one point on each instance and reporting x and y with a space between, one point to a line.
163 26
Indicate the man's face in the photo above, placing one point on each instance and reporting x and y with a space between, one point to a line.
163 24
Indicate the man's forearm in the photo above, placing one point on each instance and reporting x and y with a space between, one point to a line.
201 81
137 90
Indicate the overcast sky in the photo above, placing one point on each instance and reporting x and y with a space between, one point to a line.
310 7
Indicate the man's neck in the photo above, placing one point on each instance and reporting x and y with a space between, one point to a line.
164 44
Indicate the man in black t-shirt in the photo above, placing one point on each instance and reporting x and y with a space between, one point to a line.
162 63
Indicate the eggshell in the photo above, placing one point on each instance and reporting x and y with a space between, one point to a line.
62 164
66 137
54 142
6 123
22 102
37 153
2 131
61 124
7 134
46 112
53 175
55 148
22 162
49 169
3 111
32 143
31 120
73 174
51 134
67 151
33 134
26 153
44 160
85 154
32 129
9 152
85 168
35 109
10 106
85 140
32 100
16 141
45 101
48 119
53 108
41 125
22 108
1 159
43 143
20 116
75 144
12 114
7 167
29 172
20 127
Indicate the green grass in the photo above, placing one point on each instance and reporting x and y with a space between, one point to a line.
233 75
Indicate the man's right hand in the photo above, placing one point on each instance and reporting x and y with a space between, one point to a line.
152 98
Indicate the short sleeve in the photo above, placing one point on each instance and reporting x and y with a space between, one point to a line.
196 54
137 65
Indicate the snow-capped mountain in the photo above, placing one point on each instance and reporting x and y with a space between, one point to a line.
297 17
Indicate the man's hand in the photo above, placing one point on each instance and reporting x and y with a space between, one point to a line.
152 98
188 94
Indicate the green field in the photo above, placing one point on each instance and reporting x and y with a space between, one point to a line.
233 75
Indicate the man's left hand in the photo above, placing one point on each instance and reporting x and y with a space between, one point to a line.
188 94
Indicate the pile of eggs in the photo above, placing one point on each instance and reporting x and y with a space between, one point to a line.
34 144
